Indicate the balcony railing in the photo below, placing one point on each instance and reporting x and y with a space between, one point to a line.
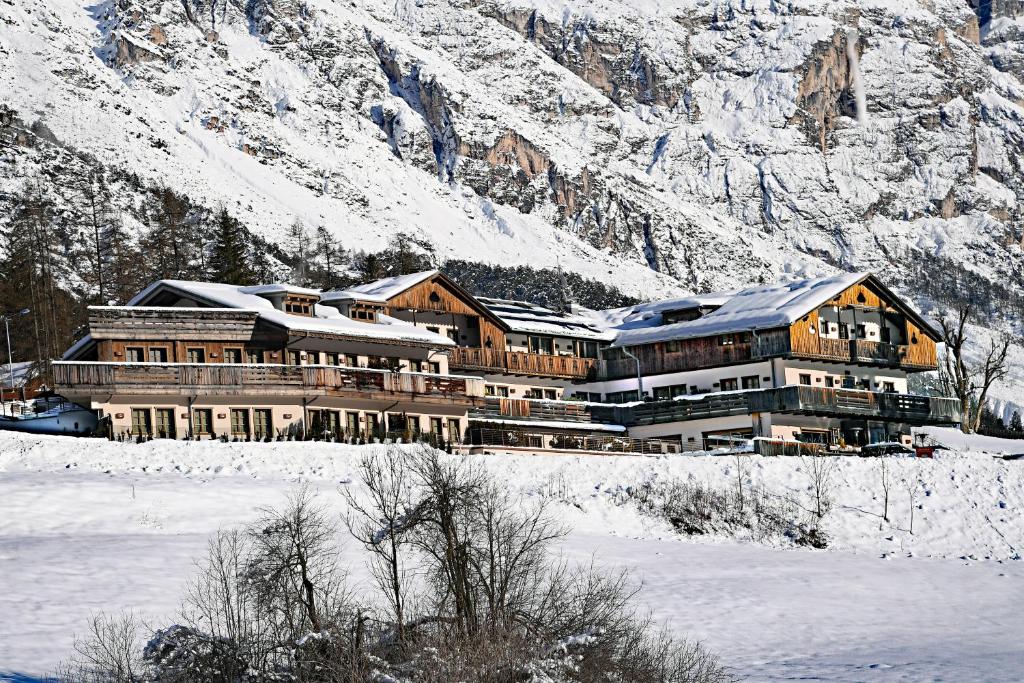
521 363
858 351
835 403
910 408
156 378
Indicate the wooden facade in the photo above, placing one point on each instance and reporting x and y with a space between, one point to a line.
438 294
801 340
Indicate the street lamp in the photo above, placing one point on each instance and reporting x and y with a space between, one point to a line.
7 329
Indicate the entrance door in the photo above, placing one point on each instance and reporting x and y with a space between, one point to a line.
332 422
165 423
141 422
262 423
239 422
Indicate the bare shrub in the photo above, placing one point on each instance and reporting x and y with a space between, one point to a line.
109 652
820 470
696 509
488 603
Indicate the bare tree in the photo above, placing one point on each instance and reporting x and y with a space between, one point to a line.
379 524
956 376
820 470
885 477
294 560
991 369
742 472
911 486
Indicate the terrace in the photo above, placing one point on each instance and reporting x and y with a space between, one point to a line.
80 377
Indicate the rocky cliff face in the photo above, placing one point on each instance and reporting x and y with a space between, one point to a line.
658 146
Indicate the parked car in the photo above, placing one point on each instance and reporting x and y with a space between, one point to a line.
888 448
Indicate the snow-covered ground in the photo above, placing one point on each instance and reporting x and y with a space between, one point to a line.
87 525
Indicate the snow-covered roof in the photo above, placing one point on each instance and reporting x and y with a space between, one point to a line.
20 371
279 288
522 316
379 291
754 308
325 319
650 314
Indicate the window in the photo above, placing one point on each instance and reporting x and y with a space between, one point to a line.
539 344
254 356
824 327
621 396
434 329
294 357
862 331
232 355
550 394
593 396
889 387
726 340
240 421
196 355
435 427
751 382
133 354
805 380
865 384
202 421
586 349
503 391
434 367
489 390
844 331
373 425
141 424
352 424
731 384
352 361
331 421
330 359
157 354
671 347
262 423
165 423
534 393
662 393
694 389
454 430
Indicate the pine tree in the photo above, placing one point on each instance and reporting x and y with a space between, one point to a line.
298 247
228 260
1015 423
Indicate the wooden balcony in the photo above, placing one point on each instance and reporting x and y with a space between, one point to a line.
821 402
521 363
693 356
225 379
862 352
851 403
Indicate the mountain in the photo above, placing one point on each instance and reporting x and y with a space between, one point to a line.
657 146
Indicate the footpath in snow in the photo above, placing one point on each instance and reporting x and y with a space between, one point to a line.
87 525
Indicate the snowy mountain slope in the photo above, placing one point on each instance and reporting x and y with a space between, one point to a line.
683 143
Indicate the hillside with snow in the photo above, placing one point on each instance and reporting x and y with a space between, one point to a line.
118 526
657 145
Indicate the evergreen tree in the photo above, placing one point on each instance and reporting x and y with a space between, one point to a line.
298 248
1015 423
228 260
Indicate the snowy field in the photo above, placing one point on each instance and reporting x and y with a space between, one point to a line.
89 525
